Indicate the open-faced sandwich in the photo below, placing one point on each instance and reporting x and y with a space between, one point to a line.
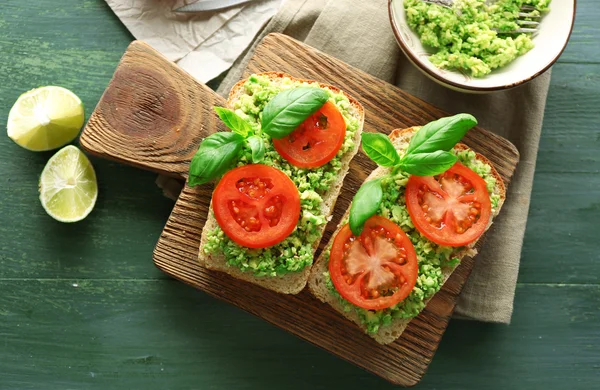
278 174
411 222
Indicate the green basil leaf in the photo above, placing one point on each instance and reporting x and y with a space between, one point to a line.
289 108
427 164
379 148
441 134
232 120
258 148
365 204
214 157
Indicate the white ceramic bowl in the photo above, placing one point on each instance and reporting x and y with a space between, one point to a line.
555 30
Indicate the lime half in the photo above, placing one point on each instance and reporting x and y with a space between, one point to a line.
45 118
68 187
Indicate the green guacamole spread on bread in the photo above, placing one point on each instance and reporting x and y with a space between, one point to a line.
295 252
432 258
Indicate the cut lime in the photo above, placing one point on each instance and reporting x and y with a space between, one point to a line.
45 118
68 187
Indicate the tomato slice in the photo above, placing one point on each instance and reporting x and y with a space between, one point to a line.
451 209
376 270
316 141
256 205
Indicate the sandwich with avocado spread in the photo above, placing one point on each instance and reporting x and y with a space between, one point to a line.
408 227
278 173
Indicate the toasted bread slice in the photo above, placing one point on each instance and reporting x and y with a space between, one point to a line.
291 283
317 284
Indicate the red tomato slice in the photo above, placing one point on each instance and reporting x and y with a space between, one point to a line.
316 141
451 209
256 205
376 270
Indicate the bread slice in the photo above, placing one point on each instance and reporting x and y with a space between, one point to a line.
317 285
291 283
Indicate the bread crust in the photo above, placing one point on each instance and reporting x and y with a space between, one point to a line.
316 282
291 283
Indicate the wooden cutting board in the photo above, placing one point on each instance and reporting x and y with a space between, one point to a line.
153 115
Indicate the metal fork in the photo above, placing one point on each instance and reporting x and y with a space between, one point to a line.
527 12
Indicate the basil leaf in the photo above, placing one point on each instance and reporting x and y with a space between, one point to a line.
441 134
427 164
379 148
214 157
365 204
258 148
232 120
288 109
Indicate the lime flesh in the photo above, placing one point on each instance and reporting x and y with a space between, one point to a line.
45 118
68 186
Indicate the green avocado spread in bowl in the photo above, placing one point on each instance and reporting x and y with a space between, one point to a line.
472 35
472 46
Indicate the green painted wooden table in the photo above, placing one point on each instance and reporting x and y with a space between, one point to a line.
82 306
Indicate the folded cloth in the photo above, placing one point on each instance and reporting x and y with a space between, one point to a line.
205 44
359 33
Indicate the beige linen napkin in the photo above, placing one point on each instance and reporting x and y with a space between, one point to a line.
359 33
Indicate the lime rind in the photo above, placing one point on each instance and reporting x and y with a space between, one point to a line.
68 185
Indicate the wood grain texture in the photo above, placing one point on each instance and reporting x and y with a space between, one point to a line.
160 334
115 131
569 145
153 115
585 35
128 326
562 229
